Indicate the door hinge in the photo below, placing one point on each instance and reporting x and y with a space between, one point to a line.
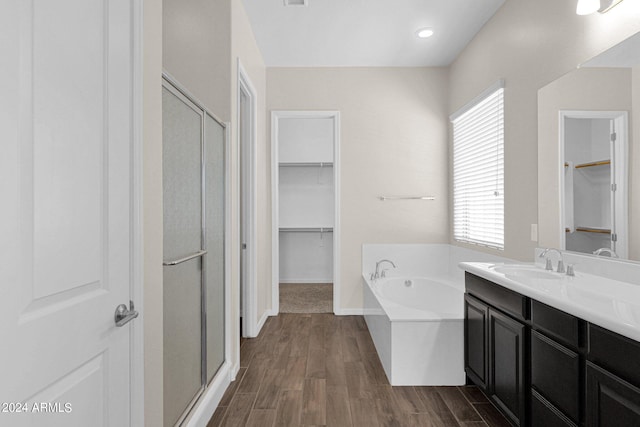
614 237
244 246
614 136
614 187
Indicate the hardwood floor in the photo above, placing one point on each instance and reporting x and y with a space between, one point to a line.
323 370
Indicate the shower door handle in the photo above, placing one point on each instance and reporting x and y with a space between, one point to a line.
124 315
184 259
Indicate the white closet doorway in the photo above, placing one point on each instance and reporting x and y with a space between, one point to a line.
306 207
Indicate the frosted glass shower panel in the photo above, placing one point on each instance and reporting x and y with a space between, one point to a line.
305 140
182 209
181 158
214 231
182 337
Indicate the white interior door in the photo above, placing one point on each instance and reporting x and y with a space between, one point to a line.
247 124
66 227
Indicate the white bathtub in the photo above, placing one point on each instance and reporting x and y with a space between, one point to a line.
415 314
420 293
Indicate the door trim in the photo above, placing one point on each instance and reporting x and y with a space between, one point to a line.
248 175
136 358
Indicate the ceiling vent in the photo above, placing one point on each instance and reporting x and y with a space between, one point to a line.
295 2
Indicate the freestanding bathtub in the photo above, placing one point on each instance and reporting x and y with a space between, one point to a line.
415 314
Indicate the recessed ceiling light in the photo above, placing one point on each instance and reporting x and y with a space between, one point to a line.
424 33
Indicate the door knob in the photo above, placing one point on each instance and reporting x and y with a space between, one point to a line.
124 315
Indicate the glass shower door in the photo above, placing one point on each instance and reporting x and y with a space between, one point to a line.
214 243
193 160
183 268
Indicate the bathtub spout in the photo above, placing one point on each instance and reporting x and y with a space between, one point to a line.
378 274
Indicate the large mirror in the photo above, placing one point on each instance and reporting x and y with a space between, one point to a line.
588 164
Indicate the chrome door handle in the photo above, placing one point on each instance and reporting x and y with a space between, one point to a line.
124 315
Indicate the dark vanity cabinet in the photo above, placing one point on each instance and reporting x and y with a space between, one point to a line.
507 364
543 367
557 354
495 343
613 379
476 346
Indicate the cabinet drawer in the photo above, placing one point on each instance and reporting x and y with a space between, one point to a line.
561 326
500 297
555 374
611 401
615 353
544 414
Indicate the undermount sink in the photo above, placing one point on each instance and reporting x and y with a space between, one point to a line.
526 271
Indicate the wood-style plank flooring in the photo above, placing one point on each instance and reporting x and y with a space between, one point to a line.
323 370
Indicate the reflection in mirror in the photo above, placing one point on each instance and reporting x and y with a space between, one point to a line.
594 181
586 156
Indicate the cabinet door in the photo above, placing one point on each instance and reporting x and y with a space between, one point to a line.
545 414
475 335
555 374
506 365
611 401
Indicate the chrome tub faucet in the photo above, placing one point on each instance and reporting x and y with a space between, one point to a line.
382 273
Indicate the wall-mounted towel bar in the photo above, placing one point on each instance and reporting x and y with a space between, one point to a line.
302 164
385 198
307 229
187 258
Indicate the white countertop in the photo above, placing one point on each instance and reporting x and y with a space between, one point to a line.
611 304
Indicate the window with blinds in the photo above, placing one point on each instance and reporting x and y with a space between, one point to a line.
478 170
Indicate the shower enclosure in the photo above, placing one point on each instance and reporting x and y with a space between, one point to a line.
194 269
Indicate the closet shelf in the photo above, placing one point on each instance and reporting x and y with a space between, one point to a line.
304 164
594 230
591 164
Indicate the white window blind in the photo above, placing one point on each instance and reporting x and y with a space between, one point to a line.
478 170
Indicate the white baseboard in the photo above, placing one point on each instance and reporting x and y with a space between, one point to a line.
350 312
209 401
233 374
261 322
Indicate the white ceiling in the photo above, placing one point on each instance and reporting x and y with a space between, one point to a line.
333 33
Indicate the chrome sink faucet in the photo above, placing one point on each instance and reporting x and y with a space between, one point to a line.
549 265
611 252
382 273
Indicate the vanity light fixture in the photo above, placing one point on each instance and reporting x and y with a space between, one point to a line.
424 33
607 5
587 7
